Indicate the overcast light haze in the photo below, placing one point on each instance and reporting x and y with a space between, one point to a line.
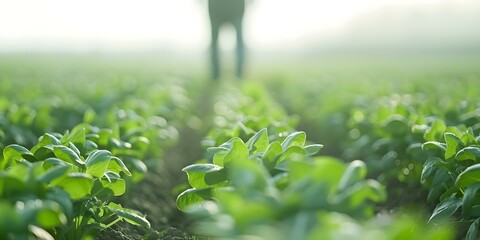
92 25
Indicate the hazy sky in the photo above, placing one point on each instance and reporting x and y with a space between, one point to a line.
137 24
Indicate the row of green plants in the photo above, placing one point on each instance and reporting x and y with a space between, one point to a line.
403 139
64 187
100 133
277 189
271 186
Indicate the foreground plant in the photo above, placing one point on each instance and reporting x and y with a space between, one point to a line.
277 190
62 188
452 174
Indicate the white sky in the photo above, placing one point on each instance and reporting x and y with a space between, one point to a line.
131 24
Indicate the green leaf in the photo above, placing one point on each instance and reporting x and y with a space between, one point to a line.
452 142
15 153
129 215
77 185
259 142
196 174
355 172
249 175
469 198
360 192
61 197
294 139
77 135
327 170
445 209
56 162
429 168
114 182
292 150
238 152
396 125
97 162
67 155
435 132
39 233
468 177
312 149
468 138
468 153
53 173
269 158
472 233
48 139
192 197
434 145
116 165
45 213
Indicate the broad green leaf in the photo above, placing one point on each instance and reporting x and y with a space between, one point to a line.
446 209
468 177
67 155
312 149
74 148
77 185
435 132
270 156
248 175
53 173
104 136
61 197
16 153
97 162
355 172
44 152
138 168
396 125
55 162
259 142
429 168
114 182
326 170
434 145
48 139
196 174
292 150
216 150
50 215
468 138
45 213
12 184
116 165
452 142
472 233
361 192
39 233
77 135
294 139
468 153
251 211
192 197
131 216
468 199
238 152
216 177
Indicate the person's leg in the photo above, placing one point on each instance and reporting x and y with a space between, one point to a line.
215 59
240 49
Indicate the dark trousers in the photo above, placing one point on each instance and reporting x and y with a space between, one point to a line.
221 12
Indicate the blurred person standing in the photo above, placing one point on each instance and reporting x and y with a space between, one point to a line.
223 12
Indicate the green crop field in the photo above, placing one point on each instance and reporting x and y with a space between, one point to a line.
139 147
